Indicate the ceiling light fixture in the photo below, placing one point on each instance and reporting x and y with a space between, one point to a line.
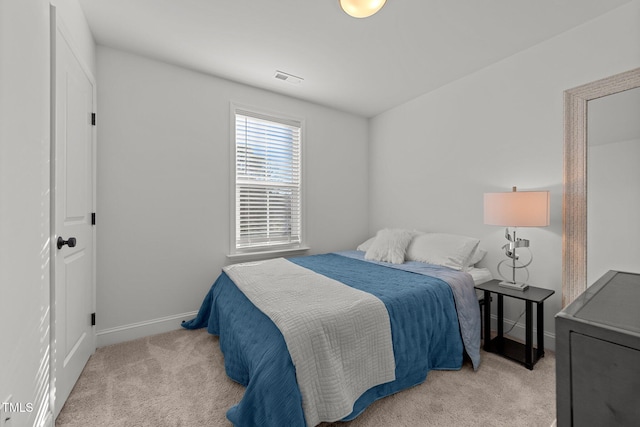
361 8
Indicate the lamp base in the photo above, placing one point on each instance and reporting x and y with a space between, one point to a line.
518 286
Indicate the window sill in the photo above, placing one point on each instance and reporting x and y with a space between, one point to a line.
252 256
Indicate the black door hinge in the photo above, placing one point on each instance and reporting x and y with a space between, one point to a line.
93 119
93 319
93 218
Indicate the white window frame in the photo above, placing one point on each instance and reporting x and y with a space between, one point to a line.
263 250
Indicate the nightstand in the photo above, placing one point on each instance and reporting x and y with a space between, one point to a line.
521 353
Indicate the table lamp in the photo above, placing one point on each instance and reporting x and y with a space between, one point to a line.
516 209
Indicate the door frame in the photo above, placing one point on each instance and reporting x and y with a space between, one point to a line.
58 28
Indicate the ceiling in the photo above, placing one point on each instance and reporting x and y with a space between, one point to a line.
362 66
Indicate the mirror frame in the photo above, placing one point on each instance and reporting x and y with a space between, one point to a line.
574 201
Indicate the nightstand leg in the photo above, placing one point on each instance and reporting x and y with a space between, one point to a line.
540 326
529 335
487 319
500 316
499 339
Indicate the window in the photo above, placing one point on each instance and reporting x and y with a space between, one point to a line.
267 182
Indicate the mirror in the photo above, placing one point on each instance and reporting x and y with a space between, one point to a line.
613 184
575 206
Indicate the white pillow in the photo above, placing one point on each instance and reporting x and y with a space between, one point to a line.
449 250
389 246
476 257
364 246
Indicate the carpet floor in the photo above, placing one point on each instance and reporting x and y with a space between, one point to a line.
177 379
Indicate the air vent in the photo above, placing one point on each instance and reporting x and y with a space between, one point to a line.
289 78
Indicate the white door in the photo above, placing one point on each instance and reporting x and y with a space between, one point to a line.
73 201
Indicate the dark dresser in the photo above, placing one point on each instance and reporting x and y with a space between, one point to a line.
598 355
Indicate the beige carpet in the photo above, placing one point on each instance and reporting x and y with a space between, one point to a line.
178 379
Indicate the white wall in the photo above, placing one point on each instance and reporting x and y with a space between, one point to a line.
163 187
434 157
24 208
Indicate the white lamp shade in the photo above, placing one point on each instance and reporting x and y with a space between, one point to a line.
361 8
517 209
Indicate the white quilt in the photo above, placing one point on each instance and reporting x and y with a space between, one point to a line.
339 337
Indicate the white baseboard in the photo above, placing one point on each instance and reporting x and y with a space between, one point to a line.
519 331
141 329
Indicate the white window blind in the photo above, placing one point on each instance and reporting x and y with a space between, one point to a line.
268 199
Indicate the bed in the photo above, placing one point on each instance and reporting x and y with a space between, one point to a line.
430 311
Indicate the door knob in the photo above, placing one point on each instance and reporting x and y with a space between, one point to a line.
71 242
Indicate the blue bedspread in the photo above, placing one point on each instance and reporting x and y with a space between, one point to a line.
424 327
